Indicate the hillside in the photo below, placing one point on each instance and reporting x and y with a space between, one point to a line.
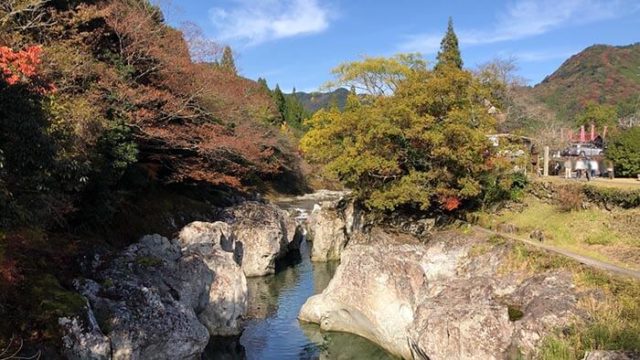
601 73
315 101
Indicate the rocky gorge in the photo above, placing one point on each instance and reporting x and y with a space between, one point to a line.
442 296
162 298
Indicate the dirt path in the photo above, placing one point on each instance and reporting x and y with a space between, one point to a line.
598 264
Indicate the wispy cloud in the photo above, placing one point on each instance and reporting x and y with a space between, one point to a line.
527 18
254 22
543 55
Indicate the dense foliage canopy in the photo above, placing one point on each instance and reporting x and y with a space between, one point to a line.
624 151
424 146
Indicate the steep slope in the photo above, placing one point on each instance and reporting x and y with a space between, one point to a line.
601 73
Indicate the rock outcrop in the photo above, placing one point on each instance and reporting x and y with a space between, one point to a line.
163 299
145 301
442 300
330 225
160 298
263 234
227 298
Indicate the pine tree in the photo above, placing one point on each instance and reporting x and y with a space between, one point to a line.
227 63
281 102
449 54
263 84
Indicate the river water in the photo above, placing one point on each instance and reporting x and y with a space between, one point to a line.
274 332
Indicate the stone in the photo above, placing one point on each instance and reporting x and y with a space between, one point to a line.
145 301
263 234
537 234
327 232
82 338
441 300
226 301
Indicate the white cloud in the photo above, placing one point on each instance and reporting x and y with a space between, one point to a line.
543 55
527 18
253 22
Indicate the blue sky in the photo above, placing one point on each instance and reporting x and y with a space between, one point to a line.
295 43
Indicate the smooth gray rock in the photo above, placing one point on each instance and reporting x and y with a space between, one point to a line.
263 234
441 300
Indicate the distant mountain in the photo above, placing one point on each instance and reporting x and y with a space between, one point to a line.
315 101
601 73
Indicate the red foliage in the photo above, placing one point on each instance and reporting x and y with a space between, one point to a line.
450 203
21 67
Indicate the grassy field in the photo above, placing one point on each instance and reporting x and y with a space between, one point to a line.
611 236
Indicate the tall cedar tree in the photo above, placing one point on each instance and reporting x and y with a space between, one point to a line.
227 63
449 54
281 102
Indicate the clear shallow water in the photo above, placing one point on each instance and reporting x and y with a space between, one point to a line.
274 331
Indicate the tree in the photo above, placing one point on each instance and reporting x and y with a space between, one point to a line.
295 112
281 102
449 54
598 115
424 146
624 151
376 75
227 62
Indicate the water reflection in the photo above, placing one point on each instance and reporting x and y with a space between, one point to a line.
273 331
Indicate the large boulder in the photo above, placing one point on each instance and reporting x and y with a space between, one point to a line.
82 338
331 225
146 299
263 234
227 298
441 300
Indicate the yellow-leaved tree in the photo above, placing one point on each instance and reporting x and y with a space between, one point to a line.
422 146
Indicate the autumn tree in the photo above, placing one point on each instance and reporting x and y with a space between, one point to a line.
376 75
449 54
227 62
424 146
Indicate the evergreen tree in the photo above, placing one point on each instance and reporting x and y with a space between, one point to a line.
227 63
263 84
449 54
281 102
295 111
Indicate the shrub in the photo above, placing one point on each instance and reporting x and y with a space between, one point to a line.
624 151
570 198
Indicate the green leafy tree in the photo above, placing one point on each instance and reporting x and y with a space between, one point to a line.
624 151
599 115
449 54
376 75
227 62
424 147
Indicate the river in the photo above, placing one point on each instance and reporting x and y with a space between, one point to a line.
273 330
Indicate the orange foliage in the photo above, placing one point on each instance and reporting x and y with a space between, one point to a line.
21 67
450 203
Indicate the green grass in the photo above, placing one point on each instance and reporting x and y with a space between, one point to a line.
613 321
577 231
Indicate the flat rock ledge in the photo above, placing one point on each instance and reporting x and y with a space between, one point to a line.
442 300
